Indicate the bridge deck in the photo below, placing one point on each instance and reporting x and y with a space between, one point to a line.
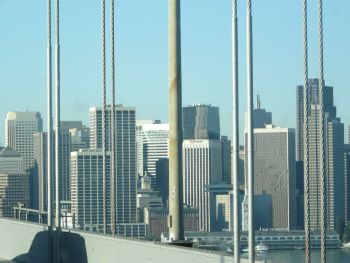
28 242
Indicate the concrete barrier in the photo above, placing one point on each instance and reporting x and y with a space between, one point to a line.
28 243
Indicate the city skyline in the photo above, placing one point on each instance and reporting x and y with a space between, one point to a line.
206 48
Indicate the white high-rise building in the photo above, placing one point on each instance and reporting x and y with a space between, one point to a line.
87 189
19 130
202 166
139 143
125 159
155 145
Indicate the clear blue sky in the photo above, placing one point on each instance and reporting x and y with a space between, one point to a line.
142 56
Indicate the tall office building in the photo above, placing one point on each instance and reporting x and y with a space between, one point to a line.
155 145
139 143
125 158
300 193
313 85
202 166
334 172
334 154
87 189
201 121
261 117
40 168
226 159
19 130
349 134
79 134
79 138
87 196
263 212
162 179
274 172
347 181
14 182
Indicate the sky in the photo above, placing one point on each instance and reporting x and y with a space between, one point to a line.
141 56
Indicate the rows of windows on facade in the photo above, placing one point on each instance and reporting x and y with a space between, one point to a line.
142 170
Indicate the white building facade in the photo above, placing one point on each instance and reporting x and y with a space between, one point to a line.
201 168
125 159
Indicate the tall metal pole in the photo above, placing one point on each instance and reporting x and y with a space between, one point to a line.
57 116
235 136
57 133
322 137
306 138
176 232
49 131
113 176
104 205
250 136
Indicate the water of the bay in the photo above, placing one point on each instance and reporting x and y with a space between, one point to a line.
297 256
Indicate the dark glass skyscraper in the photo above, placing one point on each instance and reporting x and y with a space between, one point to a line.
313 99
201 121
334 154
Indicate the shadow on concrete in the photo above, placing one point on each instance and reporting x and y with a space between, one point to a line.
72 248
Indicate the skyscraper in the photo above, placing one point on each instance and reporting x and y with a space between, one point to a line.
125 156
139 143
261 117
226 159
19 130
347 181
79 138
155 145
274 170
162 179
40 168
201 121
79 134
313 85
334 161
87 188
201 167
334 154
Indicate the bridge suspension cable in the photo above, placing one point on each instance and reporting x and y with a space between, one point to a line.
322 136
306 136
104 134
113 156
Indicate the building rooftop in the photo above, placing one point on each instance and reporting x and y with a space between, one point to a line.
9 152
